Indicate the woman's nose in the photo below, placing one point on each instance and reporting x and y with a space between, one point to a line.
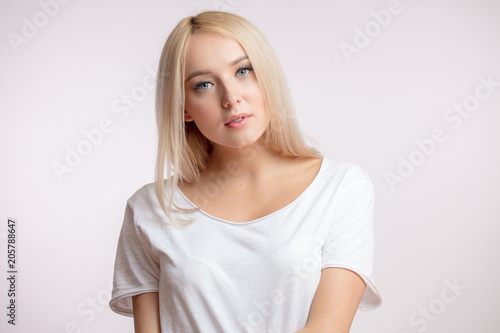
230 96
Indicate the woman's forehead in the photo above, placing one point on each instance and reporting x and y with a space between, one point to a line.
212 49
212 43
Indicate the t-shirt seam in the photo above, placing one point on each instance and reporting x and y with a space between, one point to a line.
323 166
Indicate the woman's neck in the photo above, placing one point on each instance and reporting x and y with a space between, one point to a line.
250 163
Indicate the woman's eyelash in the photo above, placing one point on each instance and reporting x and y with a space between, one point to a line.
199 86
249 68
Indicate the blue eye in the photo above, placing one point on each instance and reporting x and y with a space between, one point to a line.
244 71
203 85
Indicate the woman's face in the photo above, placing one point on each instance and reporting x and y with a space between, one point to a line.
223 96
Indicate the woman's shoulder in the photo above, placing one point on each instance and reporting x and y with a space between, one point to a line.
145 197
342 172
142 193
144 205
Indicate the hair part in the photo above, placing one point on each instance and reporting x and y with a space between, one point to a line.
183 151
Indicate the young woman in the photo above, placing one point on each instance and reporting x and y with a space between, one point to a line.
252 231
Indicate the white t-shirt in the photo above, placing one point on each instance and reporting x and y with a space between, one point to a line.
258 276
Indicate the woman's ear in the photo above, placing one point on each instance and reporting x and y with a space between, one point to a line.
187 116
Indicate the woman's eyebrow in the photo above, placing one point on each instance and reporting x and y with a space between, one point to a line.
240 59
233 63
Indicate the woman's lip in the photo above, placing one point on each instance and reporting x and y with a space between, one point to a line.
237 116
240 124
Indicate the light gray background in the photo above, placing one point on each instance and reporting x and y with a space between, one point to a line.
439 226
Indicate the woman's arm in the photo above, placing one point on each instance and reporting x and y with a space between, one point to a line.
146 313
335 302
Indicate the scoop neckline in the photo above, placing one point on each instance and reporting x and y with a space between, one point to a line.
312 184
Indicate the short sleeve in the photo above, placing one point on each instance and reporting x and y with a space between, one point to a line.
350 240
136 269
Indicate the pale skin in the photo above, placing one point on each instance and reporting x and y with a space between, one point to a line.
225 86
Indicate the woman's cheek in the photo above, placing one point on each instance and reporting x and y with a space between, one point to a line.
193 104
253 90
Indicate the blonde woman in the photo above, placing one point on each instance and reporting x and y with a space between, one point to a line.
252 230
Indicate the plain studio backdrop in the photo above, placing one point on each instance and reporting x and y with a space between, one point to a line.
410 90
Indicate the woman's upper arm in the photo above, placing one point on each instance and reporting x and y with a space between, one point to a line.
335 302
146 313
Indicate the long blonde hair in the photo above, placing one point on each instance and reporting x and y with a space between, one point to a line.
182 150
